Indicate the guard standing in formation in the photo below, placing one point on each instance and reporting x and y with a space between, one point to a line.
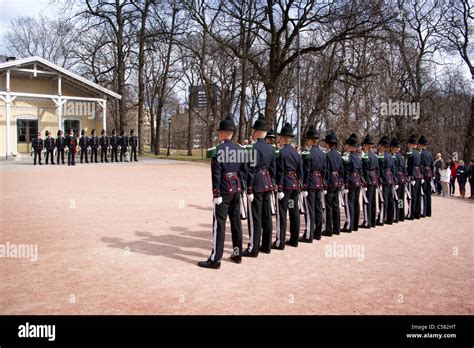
289 173
387 183
71 146
37 145
370 170
123 141
401 179
333 180
427 165
114 143
314 171
133 140
260 177
49 147
94 144
60 146
270 138
227 179
353 182
414 176
84 144
104 146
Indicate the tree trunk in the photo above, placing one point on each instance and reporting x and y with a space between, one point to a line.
271 105
469 145
190 131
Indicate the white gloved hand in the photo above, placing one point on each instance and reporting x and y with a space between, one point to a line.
413 182
217 200
325 192
250 197
422 181
396 187
305 193
345 191
365 189
280 195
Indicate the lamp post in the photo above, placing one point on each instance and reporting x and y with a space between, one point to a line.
169 137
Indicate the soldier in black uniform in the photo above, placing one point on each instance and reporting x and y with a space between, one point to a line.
401 179
353 182
260 179
270 138
37 145
49 147
84 144
387 176
114 143
227 179
414 176
71 146
289 173
334 180
314 171
60 146
104 146
370 170
133 142
123 144
93 144
427 167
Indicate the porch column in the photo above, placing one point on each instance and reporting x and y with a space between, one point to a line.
8 100
59 104
104 114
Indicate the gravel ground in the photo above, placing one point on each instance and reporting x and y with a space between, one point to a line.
125 239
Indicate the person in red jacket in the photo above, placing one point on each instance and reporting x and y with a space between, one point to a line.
454 167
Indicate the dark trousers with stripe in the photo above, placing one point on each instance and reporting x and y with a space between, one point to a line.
60 152
313 215
260 222
84 153
114 152
386 209
288 203
48 154
71 156
103 154
427 198
93 155
230 206
400 204
352 209
37 156
414 209
370 207
333 225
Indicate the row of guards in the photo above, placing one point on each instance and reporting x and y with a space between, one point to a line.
316 183
93 147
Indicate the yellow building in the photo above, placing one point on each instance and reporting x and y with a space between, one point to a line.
37 95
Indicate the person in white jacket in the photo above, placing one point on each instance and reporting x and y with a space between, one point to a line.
445 177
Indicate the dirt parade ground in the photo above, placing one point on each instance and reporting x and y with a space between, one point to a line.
125 239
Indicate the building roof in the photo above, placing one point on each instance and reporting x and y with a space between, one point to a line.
81 80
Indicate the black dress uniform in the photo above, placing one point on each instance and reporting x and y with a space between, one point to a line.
71 145
133 142
227 179
123 141
37 145
94 145
104 146
401 179
114 143
414 176
427 167
49 147
84 144
387 176
289 174
334 180
370 170
353 182
60 146
314 171
260 179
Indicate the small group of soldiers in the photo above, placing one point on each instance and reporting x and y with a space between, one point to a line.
104 147
314 183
